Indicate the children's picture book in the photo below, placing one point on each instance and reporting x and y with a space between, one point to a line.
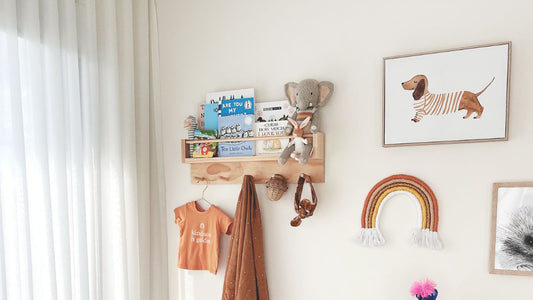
201 116
244 106
273 111
211 113
218 97
205 149
271 120
232 127
235 120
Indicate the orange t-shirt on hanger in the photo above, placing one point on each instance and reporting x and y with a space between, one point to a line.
200 235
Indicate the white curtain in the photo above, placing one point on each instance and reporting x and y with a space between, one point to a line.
82 205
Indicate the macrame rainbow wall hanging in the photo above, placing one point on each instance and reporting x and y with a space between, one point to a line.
412 187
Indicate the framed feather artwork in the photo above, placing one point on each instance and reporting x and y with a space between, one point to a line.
511 249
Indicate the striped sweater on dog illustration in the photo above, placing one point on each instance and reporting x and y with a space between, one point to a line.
436 104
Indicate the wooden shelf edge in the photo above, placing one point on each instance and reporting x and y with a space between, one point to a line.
231 159
318 151
259 138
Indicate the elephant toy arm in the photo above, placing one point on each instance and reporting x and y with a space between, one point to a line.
314 122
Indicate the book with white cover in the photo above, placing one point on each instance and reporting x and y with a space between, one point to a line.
218 97
271 120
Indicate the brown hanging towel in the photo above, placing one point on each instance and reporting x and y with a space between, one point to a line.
245 273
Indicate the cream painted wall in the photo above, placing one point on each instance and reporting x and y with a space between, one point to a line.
217 45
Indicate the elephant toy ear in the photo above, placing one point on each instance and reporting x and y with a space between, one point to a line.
326 89
290 91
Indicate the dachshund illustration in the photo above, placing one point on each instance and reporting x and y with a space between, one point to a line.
426 103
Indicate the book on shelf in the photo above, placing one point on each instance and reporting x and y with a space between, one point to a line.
271 120
232 127
241 106
218 97
235 120
211 113
200 121
205 149
214 98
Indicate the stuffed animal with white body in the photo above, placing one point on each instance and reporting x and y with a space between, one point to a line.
299 148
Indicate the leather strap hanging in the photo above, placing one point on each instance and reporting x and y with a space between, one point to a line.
304 208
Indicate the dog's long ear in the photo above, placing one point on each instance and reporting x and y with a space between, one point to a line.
420 89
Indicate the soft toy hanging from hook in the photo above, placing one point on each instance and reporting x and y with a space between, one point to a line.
300 149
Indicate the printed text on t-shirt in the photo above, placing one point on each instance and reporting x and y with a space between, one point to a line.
200 237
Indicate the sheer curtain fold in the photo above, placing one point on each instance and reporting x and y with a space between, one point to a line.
81 196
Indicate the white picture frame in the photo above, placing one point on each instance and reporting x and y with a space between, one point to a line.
452 79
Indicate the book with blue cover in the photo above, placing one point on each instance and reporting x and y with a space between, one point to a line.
211 113
242 106
235 120
232 127
215 99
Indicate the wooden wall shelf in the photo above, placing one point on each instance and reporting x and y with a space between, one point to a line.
230 170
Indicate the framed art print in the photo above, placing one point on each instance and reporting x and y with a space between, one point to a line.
450 96
512 229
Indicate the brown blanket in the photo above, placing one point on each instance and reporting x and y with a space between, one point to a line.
245 273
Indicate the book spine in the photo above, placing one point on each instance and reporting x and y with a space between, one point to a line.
190 134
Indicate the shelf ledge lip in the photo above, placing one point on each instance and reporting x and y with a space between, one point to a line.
228 159
310 135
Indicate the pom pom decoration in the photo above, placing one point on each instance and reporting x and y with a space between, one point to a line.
424 290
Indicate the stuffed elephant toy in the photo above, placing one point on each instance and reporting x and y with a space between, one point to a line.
307 96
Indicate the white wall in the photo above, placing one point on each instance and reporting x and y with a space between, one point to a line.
216 45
